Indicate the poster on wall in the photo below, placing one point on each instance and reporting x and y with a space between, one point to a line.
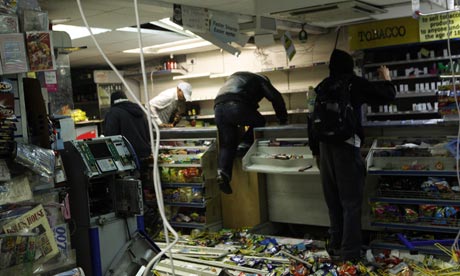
13 53
40 51
435 27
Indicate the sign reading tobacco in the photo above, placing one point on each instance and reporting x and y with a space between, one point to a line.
383 33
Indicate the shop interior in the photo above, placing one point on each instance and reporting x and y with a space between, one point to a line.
73 200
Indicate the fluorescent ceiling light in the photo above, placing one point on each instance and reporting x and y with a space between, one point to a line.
134 30
172 46
169 25
78 31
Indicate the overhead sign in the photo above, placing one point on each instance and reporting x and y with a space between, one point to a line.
191 18
435 27
288 44
224 26
383 33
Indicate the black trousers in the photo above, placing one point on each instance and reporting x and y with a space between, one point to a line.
343 176
229 117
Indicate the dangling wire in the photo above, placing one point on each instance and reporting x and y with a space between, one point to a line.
337 36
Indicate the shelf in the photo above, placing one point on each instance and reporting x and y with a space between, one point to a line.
416 201
306 66
194 225
408 61
158 73
381 244
178 165
416 227
411 173
182 185
402 123
399 113
186 204
415 94
294 111
409 78
265 113
89 122
261 157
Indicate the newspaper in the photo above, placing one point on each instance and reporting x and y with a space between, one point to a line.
35 221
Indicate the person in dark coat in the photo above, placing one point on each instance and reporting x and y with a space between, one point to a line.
236 106
129 120
342 168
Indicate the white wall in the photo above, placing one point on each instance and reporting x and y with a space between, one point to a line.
317 50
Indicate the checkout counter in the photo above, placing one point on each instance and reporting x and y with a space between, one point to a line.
269 190
282 159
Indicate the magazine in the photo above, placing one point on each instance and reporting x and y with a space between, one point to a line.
40 51
35 221
17 253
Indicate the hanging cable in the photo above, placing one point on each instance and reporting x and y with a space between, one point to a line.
154 143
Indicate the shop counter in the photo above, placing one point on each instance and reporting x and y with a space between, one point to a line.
283 160
188 132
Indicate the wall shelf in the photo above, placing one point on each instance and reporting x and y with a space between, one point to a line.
402 62
400 113
409 77
415 94
415 227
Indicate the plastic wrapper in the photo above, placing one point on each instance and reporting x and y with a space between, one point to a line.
410 215
15 190
39 160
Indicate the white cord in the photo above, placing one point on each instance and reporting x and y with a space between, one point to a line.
154 143
454 246
156 175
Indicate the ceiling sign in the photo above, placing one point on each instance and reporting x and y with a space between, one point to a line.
191 18
224 26
435 27
288 44
383 33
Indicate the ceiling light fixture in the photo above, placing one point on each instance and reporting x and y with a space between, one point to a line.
170 47
303 35
76 32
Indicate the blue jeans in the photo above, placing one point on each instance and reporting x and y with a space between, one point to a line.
229 117
342 176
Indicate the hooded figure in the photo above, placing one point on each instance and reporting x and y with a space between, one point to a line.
340 63
342 168
127 119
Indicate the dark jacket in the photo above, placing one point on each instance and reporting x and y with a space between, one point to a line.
250 89
362 91
128 119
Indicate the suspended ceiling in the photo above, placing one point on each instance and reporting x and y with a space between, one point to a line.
113 14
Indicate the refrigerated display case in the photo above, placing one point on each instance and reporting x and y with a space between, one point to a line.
188 171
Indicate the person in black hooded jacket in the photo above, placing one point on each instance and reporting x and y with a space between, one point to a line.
342 168
236 106
127 119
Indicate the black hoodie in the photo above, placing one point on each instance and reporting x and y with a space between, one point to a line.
128 119
362 91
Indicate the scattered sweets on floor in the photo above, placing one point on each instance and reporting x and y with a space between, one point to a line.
281 256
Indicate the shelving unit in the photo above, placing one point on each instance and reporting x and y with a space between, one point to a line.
416 71
188 170
417 186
